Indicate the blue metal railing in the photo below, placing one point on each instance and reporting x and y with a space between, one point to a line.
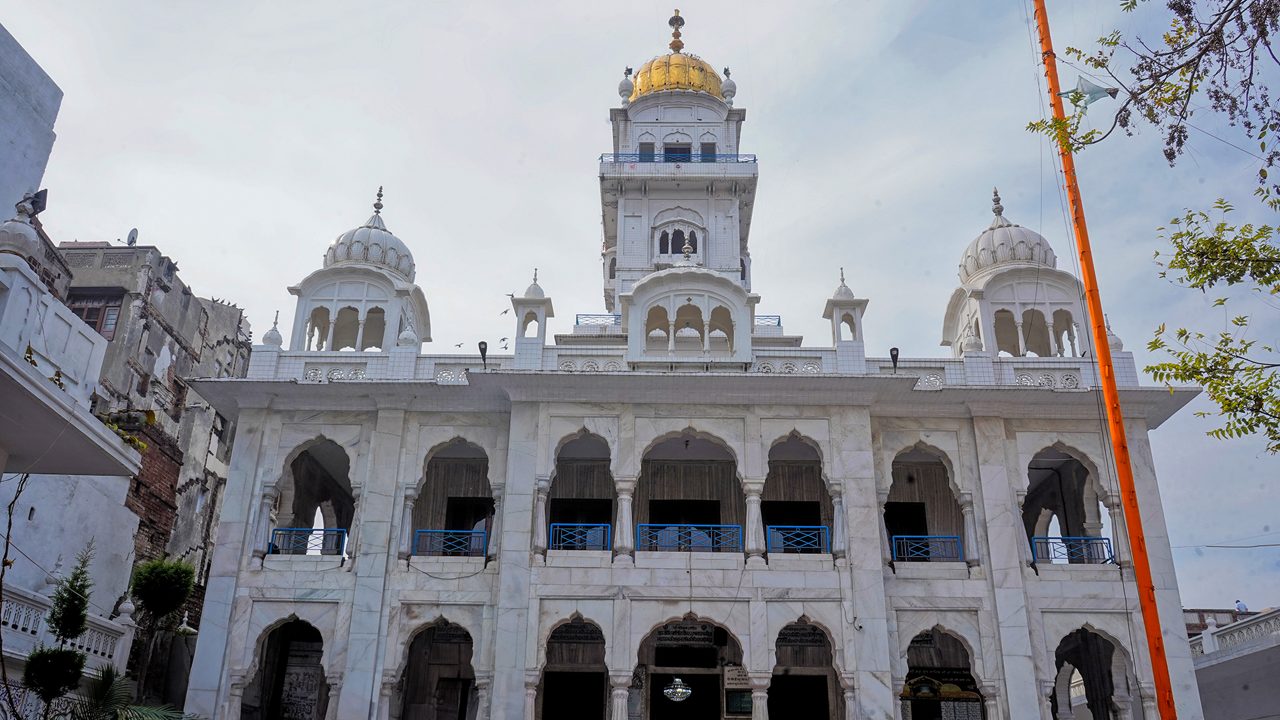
307 541
774 320
797 539
581 536
923 548
450 542
588 319
657 157
1079 550
689 538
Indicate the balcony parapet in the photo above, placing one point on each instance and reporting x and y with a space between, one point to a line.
23 621
1253 633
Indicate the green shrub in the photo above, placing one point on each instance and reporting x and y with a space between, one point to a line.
160 587
53 672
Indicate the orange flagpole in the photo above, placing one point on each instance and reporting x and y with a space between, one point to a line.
1111 397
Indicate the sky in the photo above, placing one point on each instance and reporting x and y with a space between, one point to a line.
242 137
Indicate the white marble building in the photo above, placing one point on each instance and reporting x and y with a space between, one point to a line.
679 489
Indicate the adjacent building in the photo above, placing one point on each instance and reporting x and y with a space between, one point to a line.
29 102
1237 664
676 509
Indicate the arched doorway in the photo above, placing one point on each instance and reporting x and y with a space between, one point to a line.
290 682
438 680
795 506
581 502
1063 514
688 497
1093 678
575 680
804 685
706 658
316 504
453 514
940 683
921 516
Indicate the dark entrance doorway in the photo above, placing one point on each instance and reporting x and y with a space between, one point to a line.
706 658
939 683
799 697
804 684
290 683
575 681
438 679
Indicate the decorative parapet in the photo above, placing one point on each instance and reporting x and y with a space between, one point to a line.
22 619
1260 627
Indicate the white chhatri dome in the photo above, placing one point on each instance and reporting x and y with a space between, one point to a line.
372 244
1005 244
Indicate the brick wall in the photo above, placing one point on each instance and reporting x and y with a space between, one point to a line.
153 495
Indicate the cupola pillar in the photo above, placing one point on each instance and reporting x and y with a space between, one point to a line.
845 312
531 311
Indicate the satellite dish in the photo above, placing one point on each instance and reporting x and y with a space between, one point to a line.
133 238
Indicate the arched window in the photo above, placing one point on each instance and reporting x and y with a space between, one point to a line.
664 244
1007 334
613 268
677 242
290 680
921 516
375 328
742 270
693 242
317 484
1063 512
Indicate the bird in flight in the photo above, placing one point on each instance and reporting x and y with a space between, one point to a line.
504 312
458 345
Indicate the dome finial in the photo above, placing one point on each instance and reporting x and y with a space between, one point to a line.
377 204
535 275
676 22
841 274
996 207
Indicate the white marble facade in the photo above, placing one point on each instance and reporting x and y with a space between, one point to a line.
987 419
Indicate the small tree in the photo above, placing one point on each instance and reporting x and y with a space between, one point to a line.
54 672
160 587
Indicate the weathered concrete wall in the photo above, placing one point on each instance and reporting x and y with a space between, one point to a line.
29 102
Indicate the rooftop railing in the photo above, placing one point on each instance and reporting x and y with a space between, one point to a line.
657 157
581 536
797 539
769 320
926 548
450 543
589 319
689 538
1074 550
308 541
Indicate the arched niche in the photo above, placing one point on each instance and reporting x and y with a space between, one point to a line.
1064 333
529 325
453 513
922 516
1035 332
582 499
657 327
575 681
289 682
438 681
1063 514
804 683
795 506
316 505
939 681
373 334
1006 329
318 329
688 496
346 329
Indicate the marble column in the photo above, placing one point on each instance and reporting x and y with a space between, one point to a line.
530 700
1022 341
262 525
1119 536
353 535
511 626
619 693
886 542
360 335
706 337
624 534
333 323
760 697
970 535
542 488
387 695
991 700
851 705
334 680
755 541
1006 536
1149 709
671 336
1046 692
482 684
1124 708
1054 350
235 695
839 531
407 529
495 530
374 543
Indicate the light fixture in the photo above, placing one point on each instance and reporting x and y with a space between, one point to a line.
677 691
893 355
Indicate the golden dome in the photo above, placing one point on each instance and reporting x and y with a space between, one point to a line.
676 70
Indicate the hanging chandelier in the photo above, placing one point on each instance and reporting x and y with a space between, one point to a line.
677 691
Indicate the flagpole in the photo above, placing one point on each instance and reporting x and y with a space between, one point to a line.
1111 396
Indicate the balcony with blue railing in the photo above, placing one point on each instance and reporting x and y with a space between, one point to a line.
581 536
927 548
308 541
797 539
450 543
689 538
598 319
1072 550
